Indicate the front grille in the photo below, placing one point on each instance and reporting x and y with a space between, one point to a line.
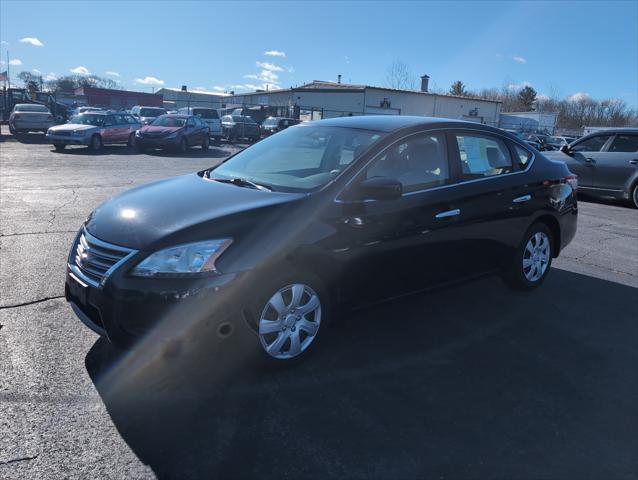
94 260
62 133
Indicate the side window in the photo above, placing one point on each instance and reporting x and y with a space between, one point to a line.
482 156
190 122
109 121
624 143
121 120
419 162
593 144
131 119
521 155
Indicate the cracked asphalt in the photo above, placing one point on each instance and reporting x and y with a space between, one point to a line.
471 382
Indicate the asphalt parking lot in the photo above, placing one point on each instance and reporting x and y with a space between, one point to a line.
472 382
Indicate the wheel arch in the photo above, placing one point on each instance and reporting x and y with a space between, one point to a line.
554 227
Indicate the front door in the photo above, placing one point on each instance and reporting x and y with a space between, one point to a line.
584 156
618 163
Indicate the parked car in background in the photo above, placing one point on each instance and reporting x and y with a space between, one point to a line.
146 115
79 110
606 163
558 141
209 116
258 114
95 129
235 127
30 117
176 132
276 124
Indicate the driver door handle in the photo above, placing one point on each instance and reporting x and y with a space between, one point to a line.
524 198
590 160
449 213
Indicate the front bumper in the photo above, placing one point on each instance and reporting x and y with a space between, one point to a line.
68 140
127 308
146 142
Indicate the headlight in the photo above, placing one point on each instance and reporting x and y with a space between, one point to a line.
138 133
185 259
173 135
78 133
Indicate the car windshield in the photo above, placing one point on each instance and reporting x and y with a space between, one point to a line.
205 112
168 121
299 159
152 112
88 119
270 122
32 108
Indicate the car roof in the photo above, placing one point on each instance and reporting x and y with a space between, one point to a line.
390 123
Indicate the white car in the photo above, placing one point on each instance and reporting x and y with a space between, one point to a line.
209 116
29 117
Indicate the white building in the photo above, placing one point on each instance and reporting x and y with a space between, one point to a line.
175 98
320 99
528 121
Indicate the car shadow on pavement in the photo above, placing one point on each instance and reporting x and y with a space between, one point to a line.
475 381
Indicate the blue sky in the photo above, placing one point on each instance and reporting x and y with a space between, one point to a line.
566 48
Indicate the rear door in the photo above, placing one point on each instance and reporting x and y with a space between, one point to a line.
585 154
615 166
109 131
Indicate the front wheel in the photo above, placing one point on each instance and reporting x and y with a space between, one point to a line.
205 143
533 259
12 130
131 140
96 143
59 147
183 145
290 314
634 196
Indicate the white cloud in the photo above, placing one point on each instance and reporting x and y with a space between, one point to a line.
519 59
15 62
217 88
517 86
36 71
32 41
80 70
149 81
50 76
111 73
265 76
576 97
4 42
270 66
542 97
275 53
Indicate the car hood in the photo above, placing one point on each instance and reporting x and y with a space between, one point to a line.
159 130
72 126
177 210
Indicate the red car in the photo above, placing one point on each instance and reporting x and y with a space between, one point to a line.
176 132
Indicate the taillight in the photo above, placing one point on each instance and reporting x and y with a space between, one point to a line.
572 180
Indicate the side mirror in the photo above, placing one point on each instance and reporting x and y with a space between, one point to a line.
565 149
380 188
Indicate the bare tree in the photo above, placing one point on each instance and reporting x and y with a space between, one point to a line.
399 76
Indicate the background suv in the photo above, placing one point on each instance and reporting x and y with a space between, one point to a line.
146 115
209 116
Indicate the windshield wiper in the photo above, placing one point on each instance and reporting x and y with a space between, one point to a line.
242 182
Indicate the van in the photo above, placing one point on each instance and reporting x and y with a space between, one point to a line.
208 116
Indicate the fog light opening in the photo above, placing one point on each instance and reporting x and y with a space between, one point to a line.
224 330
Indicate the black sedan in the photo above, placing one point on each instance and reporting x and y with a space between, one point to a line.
236 127
266 247
277 124
176 132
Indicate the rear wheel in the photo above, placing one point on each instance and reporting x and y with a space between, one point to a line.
533 259
205 143
634 196
131 140
96 143
59 147
183 145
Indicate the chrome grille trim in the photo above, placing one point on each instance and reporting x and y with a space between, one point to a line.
94 260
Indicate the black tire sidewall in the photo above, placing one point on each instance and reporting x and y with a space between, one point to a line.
634 196
515 276
205 143
183 145
93 146
267 287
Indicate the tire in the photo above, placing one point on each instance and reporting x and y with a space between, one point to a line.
96 143
634 196
205 143
131 140
533 259
285 333
183 145
59 147
12 130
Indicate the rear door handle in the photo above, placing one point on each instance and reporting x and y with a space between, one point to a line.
449 213
524 198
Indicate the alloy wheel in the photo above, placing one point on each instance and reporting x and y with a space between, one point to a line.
536 256
290 321
635 196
